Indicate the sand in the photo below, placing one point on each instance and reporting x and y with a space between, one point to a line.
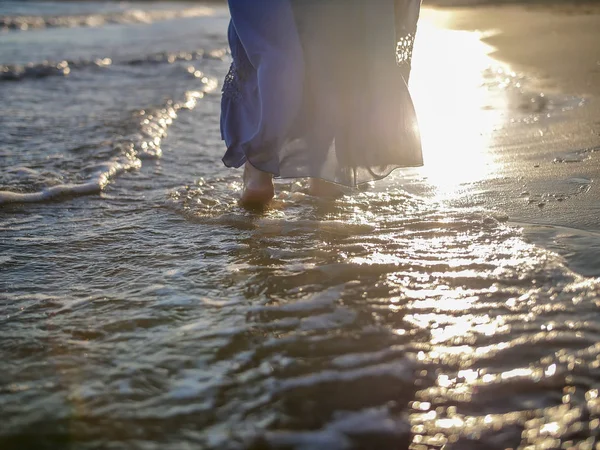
559 42
548 176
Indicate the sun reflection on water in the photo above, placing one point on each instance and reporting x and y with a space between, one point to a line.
459 103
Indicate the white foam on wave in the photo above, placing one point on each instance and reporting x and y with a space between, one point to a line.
340 433
218 54
93 186
24 23
319 301
15 72
401 370
34 70
142 144
353 360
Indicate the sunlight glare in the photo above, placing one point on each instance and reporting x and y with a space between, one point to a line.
456 109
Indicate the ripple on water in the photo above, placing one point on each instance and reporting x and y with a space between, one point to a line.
375 321
141 139
339 323
432 327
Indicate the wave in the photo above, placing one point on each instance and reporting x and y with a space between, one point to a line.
16 72
180 56
147 129
24 23
36 70
435 336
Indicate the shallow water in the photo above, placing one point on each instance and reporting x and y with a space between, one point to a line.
155 313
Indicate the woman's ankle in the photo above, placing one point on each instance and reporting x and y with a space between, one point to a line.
258 186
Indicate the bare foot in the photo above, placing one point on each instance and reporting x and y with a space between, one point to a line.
324 189
258 187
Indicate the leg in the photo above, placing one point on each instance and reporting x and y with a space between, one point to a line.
258 187
257 123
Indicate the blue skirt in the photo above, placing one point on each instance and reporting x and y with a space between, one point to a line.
318 88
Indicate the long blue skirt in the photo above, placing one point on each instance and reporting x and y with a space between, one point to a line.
315 89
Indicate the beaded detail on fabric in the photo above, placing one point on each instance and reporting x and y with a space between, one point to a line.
238 73
231 87
404 49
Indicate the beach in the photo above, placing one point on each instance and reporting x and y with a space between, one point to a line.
555 44
451 306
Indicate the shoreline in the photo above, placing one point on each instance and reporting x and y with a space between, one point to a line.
496 3
557 43
556 48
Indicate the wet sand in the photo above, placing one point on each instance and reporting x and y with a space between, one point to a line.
557 47
548 156
560 43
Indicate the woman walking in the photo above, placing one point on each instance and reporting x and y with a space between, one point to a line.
317 89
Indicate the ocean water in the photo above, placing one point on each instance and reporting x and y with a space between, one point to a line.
453 306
